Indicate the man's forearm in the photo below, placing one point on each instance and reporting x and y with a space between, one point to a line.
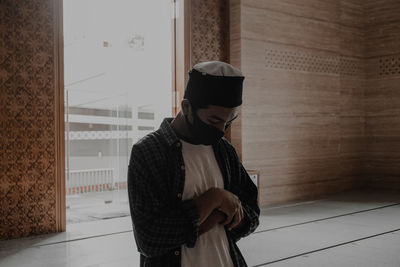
206 203
215 217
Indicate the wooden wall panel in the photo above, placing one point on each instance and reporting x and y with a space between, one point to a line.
381 11
276 27
383 39
28 142
303 118
317 10
352 14
382 101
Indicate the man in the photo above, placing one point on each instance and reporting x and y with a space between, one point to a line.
190 198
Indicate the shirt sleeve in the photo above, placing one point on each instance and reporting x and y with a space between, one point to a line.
247 193
159 225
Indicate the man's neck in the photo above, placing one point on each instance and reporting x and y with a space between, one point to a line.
178 124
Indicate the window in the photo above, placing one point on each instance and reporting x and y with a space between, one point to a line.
118 87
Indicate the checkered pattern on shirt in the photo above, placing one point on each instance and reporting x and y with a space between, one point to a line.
162 221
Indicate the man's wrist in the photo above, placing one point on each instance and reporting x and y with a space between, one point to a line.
221 217
216 195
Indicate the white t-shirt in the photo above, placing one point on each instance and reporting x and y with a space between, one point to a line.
201 173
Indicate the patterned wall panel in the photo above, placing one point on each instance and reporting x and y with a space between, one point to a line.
389 65
209 30
308 62
27 132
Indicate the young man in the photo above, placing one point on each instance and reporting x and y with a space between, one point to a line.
190 198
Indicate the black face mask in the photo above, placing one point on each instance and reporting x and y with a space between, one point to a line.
202 132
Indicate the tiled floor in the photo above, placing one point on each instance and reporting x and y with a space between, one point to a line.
349 229
97 206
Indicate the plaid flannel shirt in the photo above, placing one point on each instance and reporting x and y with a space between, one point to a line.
162 221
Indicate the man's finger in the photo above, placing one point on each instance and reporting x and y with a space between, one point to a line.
241 213
228 219
235 221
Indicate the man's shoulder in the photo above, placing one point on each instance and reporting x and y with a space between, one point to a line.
151 142
225 144
148 159
228 150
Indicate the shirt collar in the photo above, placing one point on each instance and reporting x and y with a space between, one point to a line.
169 134
167 131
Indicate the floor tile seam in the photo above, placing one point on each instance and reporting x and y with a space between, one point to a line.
327 248
326 218
80 239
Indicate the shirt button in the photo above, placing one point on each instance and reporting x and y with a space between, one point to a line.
177 252
182 167
179 195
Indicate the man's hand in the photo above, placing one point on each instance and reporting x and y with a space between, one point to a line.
222 200
215 217
231 206
207 202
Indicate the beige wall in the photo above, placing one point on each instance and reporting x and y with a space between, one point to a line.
382 100
303 117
